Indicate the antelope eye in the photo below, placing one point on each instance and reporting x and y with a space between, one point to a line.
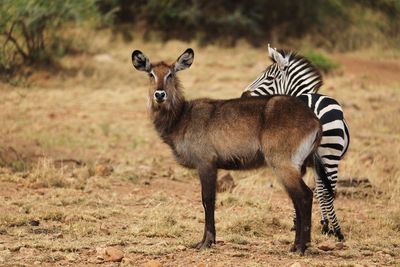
151 75
169 76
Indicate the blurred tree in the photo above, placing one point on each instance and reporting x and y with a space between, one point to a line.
333 23
31 30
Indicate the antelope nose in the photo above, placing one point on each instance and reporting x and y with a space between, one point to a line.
160 95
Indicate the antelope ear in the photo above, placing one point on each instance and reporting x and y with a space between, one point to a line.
185 60
278 58
140 61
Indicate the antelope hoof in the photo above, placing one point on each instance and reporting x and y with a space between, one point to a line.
206 242
203 245
300 249
293 248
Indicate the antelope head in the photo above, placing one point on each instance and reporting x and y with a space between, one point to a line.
164 91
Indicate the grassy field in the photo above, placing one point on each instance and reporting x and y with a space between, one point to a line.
83 169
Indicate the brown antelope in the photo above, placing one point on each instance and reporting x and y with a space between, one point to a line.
245 133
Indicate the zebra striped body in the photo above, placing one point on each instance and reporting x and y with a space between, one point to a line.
293 75
334 144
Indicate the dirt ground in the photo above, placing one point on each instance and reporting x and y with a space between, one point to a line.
83 170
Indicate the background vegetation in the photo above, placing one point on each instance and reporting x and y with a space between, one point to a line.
38 31
338 24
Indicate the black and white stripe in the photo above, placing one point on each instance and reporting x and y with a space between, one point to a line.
294 75
334 144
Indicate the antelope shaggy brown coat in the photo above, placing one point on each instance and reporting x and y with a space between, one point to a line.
244 133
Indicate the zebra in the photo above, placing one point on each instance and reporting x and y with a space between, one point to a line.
292 74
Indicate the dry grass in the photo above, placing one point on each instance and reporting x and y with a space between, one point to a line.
95 114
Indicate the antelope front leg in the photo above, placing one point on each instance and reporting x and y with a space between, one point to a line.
208 178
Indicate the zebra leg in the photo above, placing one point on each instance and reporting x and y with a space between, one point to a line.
319 190
331 160
332 215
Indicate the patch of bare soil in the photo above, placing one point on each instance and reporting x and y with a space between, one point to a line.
373 71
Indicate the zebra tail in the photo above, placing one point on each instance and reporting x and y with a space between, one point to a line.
321 172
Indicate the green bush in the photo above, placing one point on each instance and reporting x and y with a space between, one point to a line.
33 31
321 61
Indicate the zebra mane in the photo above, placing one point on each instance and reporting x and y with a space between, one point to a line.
294 57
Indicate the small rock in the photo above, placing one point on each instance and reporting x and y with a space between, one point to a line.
225 183
71 218
71 257
59 235
339 245
41 231
104 229
153 263
296 264
83 173
100 253
40 191
326 246
37 185
181 247
128 262
103 169
367 253
113 254
15 248
27 251
170 256
34 223
4 255
37 262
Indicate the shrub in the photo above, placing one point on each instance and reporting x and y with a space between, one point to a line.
33 31
321 61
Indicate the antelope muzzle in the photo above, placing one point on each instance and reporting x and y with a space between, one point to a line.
160 96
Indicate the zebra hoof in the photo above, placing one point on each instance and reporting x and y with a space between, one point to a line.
325 228
339 235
